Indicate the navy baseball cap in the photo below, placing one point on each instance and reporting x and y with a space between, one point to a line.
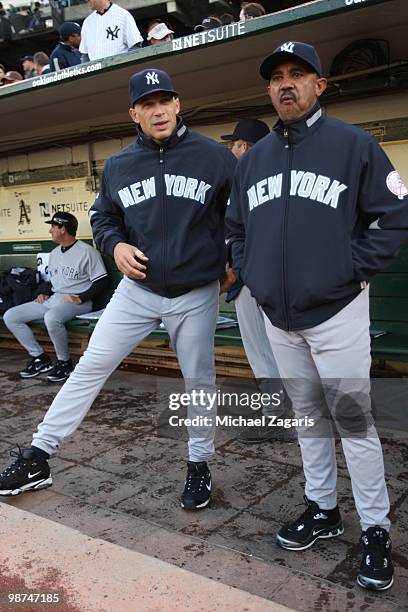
68 28
27 58
147 82
67 220
250 130
209 23
298 50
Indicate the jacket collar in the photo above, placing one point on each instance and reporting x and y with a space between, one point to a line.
298 130
179 134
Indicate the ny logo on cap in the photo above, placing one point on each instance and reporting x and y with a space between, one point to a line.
288 47
152 78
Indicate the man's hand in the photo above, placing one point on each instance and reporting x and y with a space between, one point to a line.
125 258
228 280
71 299
40 299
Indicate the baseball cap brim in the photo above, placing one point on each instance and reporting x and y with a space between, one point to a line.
153 91
227 137
273 60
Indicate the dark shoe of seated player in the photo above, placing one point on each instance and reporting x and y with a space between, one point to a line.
27 473
376 569
37 365
311 525
60 371
197 488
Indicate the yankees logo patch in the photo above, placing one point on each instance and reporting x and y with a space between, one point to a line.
112 33
396 185
152 78
288 47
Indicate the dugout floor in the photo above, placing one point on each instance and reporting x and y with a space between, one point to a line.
118 478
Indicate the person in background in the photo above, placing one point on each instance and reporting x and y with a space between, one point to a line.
209 23
37 20
227 19
251 322
250 10
41 63
11 77
28 66
78 275
66 53
107 31
159 33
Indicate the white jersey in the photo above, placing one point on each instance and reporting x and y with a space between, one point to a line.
74 270
113 32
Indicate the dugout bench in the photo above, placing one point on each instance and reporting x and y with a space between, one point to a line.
388 311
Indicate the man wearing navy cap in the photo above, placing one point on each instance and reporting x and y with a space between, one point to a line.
246 133
77 276
66 53
257 348
316 210
160 215
28 66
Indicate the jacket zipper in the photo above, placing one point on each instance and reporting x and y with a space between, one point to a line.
163 216
285 233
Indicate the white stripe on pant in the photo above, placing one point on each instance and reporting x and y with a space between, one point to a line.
131 315
339 349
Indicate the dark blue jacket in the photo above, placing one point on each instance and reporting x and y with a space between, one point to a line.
316 208
169 201
64 56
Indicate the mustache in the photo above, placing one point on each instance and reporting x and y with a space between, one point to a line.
288 94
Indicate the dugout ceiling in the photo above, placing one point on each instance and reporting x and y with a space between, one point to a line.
215 73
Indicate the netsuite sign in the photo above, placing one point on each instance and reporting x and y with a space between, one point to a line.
209 36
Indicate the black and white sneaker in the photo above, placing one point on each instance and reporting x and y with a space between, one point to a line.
60 371
313 524
25 474
197 489
36 366
376 569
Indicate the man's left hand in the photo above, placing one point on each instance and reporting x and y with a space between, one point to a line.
228 280
71 299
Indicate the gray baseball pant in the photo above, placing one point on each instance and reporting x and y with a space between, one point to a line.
335 355
132 314
257 347
55 313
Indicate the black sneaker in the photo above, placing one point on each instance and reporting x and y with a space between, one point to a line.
60 371
39 364
313 524
197 487
376 569
25 474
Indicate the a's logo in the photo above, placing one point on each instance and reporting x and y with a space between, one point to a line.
396 185
152 78
112 33
288 47
44 209
25 210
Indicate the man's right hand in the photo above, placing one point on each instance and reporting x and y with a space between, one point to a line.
124 255
41 298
